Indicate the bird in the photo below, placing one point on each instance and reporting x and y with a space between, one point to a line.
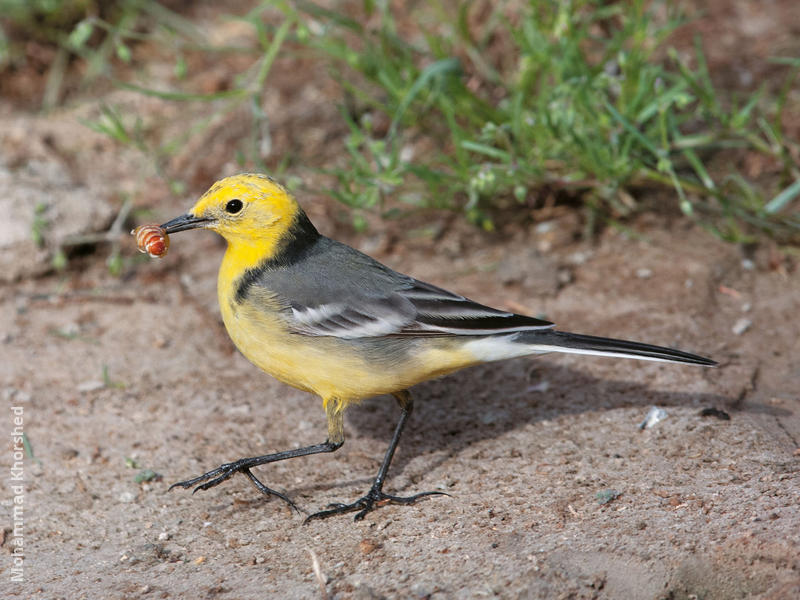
326 318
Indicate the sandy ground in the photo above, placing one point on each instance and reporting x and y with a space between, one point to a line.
706 506
115 376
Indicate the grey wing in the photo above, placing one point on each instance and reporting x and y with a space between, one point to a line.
359 316
415 308
443 312
335 290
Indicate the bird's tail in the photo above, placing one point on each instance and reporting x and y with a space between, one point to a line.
576 343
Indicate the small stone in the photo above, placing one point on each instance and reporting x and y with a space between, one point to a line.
564 276
578 258
91 386
741 326
654 415
71 329
606 496
366 546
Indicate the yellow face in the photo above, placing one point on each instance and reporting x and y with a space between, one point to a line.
246 208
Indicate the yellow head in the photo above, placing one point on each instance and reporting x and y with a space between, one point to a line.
247 209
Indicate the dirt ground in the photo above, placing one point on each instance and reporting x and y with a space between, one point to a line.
555 490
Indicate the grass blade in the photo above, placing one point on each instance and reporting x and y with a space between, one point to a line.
781 200
182 96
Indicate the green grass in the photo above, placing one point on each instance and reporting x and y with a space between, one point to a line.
554 97
580 100
99 33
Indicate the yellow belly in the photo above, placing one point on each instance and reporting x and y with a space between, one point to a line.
330 367
333 368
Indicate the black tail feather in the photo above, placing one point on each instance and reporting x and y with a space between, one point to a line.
576 342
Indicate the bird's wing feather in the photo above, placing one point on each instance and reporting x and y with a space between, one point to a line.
418 310
360 317
368 299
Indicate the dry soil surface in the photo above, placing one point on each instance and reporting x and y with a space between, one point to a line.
554 490
116 376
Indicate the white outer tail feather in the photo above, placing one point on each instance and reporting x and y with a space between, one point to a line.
494 348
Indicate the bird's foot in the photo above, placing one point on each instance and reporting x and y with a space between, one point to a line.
216 476
373 499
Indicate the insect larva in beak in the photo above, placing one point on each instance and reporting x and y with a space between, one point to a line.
152 239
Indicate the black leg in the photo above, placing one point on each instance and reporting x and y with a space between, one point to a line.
243 465
375 496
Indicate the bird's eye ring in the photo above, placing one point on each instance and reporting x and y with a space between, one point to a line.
233 206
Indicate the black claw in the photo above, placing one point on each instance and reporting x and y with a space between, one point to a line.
372 500
268 491
205 486
213 473
224 472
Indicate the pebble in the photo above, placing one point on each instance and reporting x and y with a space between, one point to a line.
91 386
654 415
18 396
366 546
564 276
741 326
579 258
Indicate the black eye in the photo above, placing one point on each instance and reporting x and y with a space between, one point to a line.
233 206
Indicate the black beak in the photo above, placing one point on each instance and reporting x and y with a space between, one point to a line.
183 223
